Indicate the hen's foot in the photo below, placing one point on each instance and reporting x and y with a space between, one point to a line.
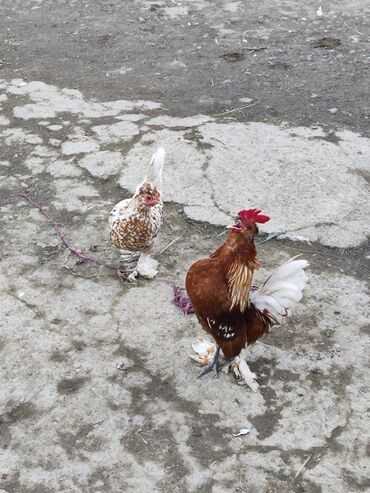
129 260
215 366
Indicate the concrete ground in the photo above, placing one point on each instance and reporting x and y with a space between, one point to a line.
98 393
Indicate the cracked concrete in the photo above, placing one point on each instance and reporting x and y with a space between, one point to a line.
98 392
232 164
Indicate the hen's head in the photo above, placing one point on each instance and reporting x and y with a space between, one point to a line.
246 223
148 194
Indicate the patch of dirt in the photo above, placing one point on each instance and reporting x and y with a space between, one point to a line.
326 42
233 57
279 65
70 385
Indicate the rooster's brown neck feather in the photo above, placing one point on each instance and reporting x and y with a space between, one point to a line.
239 256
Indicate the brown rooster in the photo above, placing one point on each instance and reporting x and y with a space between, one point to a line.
226 304
135 222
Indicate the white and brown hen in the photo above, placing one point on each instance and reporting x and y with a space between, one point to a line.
135 222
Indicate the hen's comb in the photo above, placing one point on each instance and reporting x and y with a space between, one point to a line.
252 216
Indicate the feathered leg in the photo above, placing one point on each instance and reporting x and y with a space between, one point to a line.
128 257
215 366
243 373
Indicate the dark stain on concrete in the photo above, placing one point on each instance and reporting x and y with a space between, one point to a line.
15 413
84 439
58 356
99 482
206 441
71 385
11 483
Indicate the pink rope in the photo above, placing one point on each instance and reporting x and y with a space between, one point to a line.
78 252
182 300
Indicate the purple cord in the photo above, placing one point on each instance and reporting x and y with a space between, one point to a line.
78 252
182 300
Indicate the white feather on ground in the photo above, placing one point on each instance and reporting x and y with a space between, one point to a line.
204 349
147 266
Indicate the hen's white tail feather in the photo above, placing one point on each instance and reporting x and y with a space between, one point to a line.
282 289
154 174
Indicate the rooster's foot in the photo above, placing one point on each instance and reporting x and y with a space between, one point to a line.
215 366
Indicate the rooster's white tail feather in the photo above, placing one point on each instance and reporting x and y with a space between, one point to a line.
282 289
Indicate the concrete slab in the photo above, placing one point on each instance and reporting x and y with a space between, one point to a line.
98 393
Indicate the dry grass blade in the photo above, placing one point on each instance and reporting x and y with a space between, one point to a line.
356 30
303 466
234 110
167 246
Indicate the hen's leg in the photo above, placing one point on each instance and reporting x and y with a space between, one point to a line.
128 257
215 366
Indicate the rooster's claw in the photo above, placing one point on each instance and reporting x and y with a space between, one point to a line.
215 366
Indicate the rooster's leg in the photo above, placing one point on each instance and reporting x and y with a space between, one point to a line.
243 373
215 366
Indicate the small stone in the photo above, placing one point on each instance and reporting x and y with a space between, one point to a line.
333 111
79 146
55 142
55 128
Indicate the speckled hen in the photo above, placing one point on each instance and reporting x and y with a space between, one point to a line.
135 222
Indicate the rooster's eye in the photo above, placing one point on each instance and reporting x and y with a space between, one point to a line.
238 224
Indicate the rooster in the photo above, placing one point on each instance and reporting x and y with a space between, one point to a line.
233 311
135 222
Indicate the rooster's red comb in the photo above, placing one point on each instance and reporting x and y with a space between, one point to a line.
252 216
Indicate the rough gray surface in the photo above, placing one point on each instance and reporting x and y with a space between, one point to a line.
87 90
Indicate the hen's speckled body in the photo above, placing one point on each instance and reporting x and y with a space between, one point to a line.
134 226
134 223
